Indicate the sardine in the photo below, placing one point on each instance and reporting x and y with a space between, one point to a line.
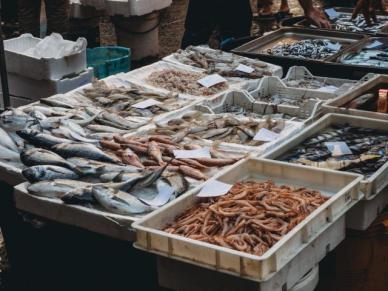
55 188
41 139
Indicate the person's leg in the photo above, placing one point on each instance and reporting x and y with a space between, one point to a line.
284 6
29 16
200 22
236 18
265 9
57 13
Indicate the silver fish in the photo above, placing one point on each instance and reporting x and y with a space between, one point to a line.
14 120
54 189
41 139
7 155
7 142
105 129
48 172
83 150
119 203
102 167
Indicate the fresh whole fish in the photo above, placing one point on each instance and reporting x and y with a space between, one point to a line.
41 139
7 142
83 150
55 188
48 172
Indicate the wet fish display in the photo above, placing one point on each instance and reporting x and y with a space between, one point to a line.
155 151
370 55
222 63
218 127
123 100
248 112
344 22
368 150
317 49
251 217
183 82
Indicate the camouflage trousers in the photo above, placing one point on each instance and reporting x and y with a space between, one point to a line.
57 15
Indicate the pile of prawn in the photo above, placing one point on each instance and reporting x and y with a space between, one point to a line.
250 218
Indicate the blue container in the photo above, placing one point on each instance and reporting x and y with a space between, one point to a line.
109 60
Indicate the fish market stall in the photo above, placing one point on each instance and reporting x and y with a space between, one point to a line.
235 68
344 143
278 258
369 100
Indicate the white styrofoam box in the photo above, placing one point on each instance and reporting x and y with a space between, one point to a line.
31 89
371 186
40 69
112 225
361 216
342 188
242 83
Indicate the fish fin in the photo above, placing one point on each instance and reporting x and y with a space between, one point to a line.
118 177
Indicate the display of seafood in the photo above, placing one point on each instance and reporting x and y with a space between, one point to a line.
222 63
248 112
317 49
124 99
368 150
376 101
280 99
184 82
376 56
251 217
217 127
155 151
344 22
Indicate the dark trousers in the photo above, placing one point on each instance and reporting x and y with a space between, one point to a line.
232 18
57 13
9 10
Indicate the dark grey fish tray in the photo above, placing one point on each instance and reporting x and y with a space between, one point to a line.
258 47
348 11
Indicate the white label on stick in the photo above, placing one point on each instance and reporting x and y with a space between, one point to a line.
147 103
163 196
211 80
192 154
266 135
245 69
332 13
214 188
374 45
338 148
333 46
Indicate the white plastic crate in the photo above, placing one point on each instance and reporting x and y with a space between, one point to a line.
337 105
361 216
302 73
30 90
371 186
343 188
40 69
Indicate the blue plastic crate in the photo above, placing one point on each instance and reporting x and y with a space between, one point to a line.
109 60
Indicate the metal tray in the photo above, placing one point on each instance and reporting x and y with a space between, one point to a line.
257 47
358 47
348 11
343 188
370 186
336 105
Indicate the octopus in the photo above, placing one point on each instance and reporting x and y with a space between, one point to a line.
251 217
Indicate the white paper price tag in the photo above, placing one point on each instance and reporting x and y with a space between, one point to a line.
334 46
374 45
338 148
192 154
211 80
214 188
147 103
163 196
244 69
332 13
266 135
